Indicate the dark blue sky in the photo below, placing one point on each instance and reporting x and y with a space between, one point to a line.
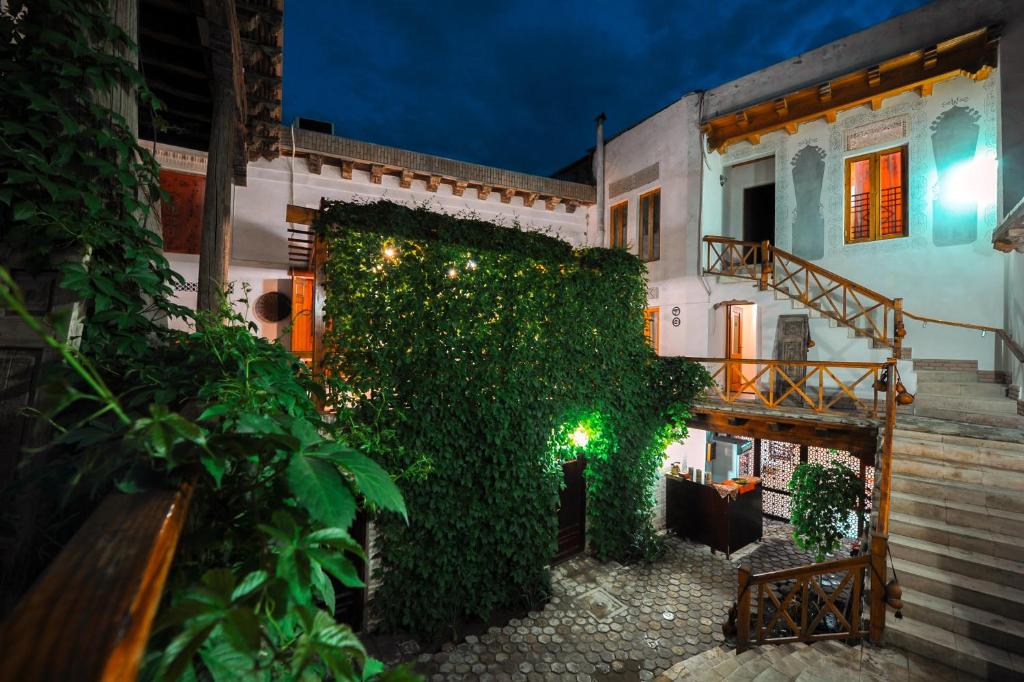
517 84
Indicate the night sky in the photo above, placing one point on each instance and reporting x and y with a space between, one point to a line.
517 84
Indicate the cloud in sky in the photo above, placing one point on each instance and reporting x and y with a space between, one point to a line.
517 84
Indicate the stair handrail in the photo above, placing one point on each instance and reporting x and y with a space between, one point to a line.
860 288
1015 348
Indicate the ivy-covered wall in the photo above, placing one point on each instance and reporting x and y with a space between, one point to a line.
477 358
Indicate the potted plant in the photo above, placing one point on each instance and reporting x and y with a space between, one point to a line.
824 506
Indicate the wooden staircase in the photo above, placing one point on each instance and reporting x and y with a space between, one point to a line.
957 516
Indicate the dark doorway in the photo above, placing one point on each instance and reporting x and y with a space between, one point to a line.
572 511
349 602
759 213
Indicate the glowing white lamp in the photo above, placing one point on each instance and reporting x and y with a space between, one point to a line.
580 437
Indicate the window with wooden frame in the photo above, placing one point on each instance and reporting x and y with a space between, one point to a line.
618 224
649 222
876 196
652 326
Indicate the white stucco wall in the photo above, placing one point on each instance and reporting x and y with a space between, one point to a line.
957 282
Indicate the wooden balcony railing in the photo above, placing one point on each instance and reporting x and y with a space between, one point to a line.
89 615
823 386
867 312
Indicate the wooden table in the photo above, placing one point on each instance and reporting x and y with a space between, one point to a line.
698 513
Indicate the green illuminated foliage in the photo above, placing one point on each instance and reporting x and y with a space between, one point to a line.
824 506
472 354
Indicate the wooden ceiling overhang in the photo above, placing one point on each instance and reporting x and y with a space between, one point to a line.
972 54
856 435
182 42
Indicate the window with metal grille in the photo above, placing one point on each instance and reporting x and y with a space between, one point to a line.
650 225
618 222
876 196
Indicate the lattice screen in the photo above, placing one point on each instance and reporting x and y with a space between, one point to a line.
778 461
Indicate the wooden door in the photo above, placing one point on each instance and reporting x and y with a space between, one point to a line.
734 346
572 511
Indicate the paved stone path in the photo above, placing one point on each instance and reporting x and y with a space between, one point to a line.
610 622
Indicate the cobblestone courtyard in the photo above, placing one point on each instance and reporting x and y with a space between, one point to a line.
613 622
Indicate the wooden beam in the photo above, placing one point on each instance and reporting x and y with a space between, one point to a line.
376 173
859 441
507 194
482 192
405 181
433 183
300 215
972 54
551 202
315 163
570 206
458 188
215 240
529 198
346 170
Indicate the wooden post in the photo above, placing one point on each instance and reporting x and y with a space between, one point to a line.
855 598
743 608
884 481
766 267
898 329
215 242
879 542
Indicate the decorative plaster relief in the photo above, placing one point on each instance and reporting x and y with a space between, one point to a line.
954 143
642 177
879 132
808 222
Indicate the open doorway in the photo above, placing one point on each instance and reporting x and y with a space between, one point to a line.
749 210
740 343
759 213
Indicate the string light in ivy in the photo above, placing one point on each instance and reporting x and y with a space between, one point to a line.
580 437
390 252
471 264
453 273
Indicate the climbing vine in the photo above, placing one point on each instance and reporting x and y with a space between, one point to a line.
484 356
824 505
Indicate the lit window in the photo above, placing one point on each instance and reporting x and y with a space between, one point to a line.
651 326
650 226
876 196
619 225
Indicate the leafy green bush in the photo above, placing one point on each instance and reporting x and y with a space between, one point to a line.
135 406
475 353
824 506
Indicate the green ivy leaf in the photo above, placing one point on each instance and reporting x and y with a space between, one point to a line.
321 491
371 479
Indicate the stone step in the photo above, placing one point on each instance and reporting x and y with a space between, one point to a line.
973 454
965 620
981 540
963 653
961 513
981 594
945 364
946 376
987 405
971 473
959 492
981 418
967 389
955 560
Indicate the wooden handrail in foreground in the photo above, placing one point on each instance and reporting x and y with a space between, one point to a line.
89 615
792 620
